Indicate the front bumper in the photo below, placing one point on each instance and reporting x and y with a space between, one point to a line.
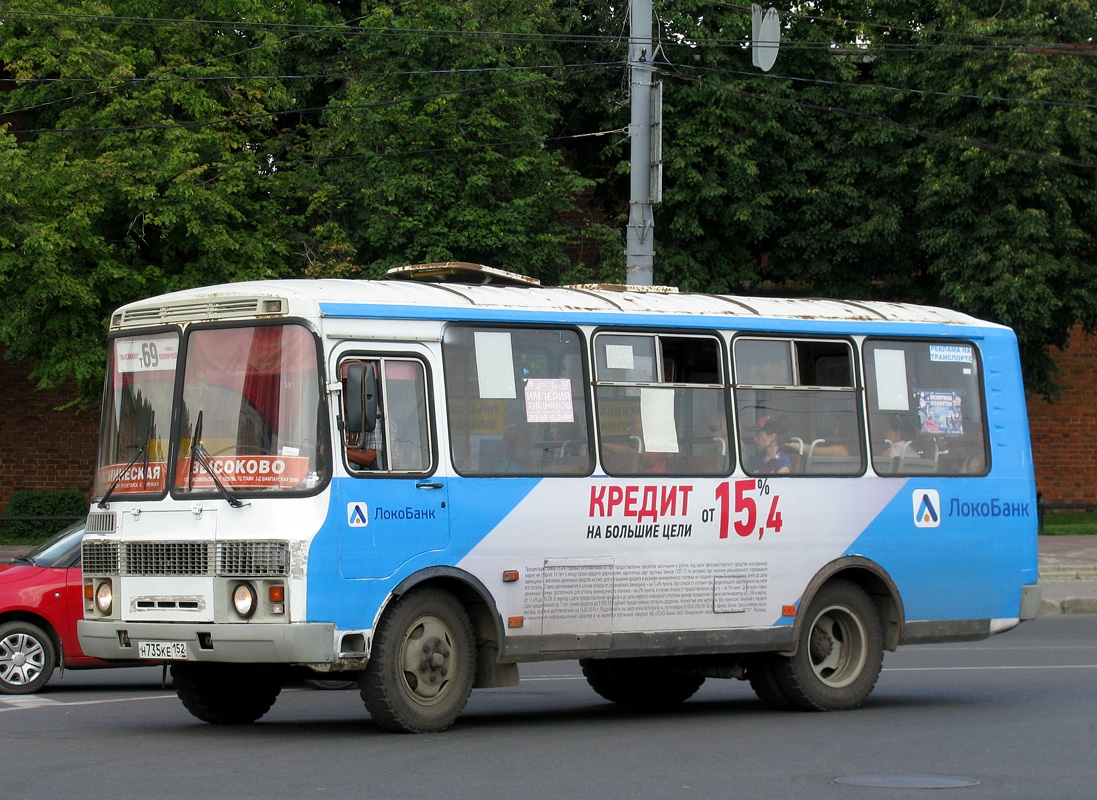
275 643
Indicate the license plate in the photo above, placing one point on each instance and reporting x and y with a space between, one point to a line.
176 651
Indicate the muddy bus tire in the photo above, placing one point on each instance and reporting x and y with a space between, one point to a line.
226 694
840 651
625 682
762 674
422 663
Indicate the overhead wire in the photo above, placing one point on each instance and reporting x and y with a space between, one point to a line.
920 132
1092 50
288 112
346 156
876 86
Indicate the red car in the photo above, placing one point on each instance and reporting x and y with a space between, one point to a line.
41 598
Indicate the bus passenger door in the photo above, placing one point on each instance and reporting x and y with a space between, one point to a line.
394 497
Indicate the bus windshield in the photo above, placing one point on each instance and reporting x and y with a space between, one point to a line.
137 405
251 412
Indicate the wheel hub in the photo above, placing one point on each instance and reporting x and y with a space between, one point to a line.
433 666
428 660
821 645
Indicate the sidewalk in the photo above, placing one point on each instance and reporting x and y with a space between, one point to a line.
1068 573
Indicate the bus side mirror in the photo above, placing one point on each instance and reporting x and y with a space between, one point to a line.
361 398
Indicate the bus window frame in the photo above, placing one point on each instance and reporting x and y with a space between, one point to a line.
981 386
130 333
323 415
858 389
431 412
585 394
723 357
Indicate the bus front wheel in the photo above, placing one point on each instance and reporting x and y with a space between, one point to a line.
840 651
422 663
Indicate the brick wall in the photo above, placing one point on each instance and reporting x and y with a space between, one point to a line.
40 447
1064 432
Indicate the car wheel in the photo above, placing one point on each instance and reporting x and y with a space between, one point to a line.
27 658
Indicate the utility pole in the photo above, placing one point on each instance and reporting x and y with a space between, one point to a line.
640 236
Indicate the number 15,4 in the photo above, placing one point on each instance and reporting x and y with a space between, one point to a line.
746 504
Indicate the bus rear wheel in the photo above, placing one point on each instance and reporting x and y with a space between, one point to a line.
839 654
762 674
624 681
422 663
226 694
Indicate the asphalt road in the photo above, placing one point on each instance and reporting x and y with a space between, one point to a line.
1017 713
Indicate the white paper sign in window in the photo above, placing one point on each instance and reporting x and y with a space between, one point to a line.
494 365
549 400
657 420
891 380
619 356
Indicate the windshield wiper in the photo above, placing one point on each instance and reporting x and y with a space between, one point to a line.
22 560
198 453
104 503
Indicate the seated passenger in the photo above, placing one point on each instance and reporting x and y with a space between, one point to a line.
896 431
516 446
769 432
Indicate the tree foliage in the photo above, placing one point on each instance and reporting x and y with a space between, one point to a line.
936 152
153 151
940 152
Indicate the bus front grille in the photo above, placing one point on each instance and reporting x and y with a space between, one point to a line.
166 558
230 559
100 558
252 559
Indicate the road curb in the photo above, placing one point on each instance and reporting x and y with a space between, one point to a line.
1070 605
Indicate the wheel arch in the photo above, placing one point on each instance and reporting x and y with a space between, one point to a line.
487 624
877 584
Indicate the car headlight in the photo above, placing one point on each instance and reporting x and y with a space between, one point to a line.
104 598
244 599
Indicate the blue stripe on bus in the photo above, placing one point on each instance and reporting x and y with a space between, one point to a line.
625 319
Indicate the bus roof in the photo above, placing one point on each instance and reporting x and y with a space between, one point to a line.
341 297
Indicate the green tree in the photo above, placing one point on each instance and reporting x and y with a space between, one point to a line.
136 168
435 147
916 154
152 153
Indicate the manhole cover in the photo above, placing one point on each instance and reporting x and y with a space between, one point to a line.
907 781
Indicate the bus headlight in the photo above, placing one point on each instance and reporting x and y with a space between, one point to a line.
104 598
243 599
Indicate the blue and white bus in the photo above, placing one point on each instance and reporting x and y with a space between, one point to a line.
421 482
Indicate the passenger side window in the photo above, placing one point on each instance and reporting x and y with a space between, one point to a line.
661 406
925 408
386 424
798 407
516 399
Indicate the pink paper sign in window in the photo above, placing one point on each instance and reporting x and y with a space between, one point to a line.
549 400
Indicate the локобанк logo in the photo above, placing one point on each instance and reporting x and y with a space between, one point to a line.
357 515
927 508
